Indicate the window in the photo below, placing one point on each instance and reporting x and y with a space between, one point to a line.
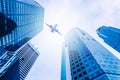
87 78
2 63
76 61
88 39
75 78
99 28
74 72
79 59
83 33
73 68
81 63
93 39
87 55
80 75
89 70
83 67
3 40
78 70
87 65
72 63
77 65
84 72
0 42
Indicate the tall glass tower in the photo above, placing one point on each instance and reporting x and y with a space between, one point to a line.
63 65
16 65
19 19
9 65
27 55
110 35
88 59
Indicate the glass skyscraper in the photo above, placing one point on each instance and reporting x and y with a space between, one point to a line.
110 35
27 55
88 59
9 65
63 67
19 19
16 65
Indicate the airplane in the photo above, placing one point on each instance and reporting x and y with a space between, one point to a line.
54 28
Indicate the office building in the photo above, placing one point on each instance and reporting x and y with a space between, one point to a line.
88 59
110 35
63 65
9 65
18 63
19 19
27 55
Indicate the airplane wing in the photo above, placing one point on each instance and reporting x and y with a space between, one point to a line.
49 25
56 25
58 32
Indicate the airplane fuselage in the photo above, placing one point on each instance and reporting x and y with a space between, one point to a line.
53 28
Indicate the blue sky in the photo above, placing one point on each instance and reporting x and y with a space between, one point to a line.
85 14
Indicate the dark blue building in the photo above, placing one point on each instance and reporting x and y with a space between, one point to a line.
110 35
27 55
19 19
9 66
88 59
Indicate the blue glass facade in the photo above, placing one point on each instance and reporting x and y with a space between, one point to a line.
111 36
18 63
88 59
27 55
63 65
9 65
2 51
19 20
